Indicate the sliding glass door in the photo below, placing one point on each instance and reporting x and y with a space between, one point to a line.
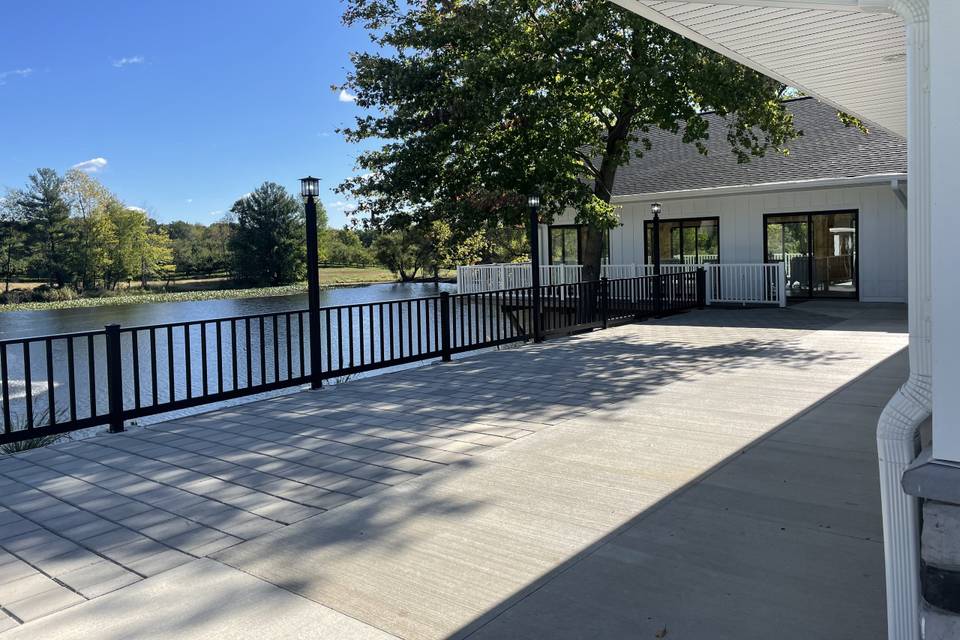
819 252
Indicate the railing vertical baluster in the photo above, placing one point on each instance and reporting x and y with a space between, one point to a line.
445 325
187 360
458 303
114 377
373 349
360 343
135 346
92 375
71 379
218 334
289 348
400 329
419 328
339 339
28 383
380 326
350 333
249 352
171 383
390 318
409 329
5 389
328 331
154 396
301 351
51 398
203 358
263 352
276 350
234 373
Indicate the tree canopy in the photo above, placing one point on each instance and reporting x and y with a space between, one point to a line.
478 102
268 244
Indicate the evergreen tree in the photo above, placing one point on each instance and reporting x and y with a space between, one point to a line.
268 242
46 216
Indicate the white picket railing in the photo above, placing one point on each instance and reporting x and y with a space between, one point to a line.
747 283
753 283
492 277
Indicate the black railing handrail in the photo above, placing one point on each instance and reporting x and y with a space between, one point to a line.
248 354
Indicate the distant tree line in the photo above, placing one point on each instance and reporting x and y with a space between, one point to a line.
78 238
74 234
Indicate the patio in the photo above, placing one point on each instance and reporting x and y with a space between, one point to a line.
709 475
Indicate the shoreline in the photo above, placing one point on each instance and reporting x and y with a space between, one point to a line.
189 296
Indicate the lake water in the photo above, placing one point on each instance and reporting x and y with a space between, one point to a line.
22 324
265 359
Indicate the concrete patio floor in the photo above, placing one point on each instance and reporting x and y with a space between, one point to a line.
710 475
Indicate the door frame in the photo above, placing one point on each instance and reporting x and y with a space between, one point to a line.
810 254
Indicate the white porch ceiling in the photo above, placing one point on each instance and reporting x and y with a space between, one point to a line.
852 59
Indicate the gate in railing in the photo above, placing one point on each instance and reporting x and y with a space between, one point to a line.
59 383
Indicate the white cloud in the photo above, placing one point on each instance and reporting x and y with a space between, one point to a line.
189 200
123 62
340 205
140 209
346 96
14 73
93 165
214 214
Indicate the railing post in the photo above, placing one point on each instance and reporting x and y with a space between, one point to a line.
114 378
782 279
657 295
604 301
313 295
701 287
445 326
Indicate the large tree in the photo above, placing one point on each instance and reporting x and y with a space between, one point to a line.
268 243
477 102
12 242
45 212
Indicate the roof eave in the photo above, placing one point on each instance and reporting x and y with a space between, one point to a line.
765 187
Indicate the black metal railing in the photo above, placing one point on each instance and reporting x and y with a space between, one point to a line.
58 383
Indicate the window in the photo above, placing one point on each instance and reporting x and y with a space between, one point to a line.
685 241
565 244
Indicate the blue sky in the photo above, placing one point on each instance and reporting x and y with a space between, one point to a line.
177 106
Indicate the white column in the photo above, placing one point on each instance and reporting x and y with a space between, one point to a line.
897 438
945 229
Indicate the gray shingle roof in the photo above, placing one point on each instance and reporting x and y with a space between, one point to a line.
826 150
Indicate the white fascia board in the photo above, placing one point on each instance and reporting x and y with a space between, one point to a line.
653 15
786 185
823 5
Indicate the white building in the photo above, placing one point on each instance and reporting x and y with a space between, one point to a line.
833 210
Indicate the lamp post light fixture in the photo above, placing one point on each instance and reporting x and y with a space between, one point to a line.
533 202
655 209
310 190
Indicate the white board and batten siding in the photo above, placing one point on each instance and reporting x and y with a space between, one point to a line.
882 228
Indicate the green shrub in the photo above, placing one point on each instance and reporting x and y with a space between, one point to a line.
46 293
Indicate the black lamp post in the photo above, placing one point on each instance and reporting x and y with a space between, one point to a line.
655 209
310 190
533 202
